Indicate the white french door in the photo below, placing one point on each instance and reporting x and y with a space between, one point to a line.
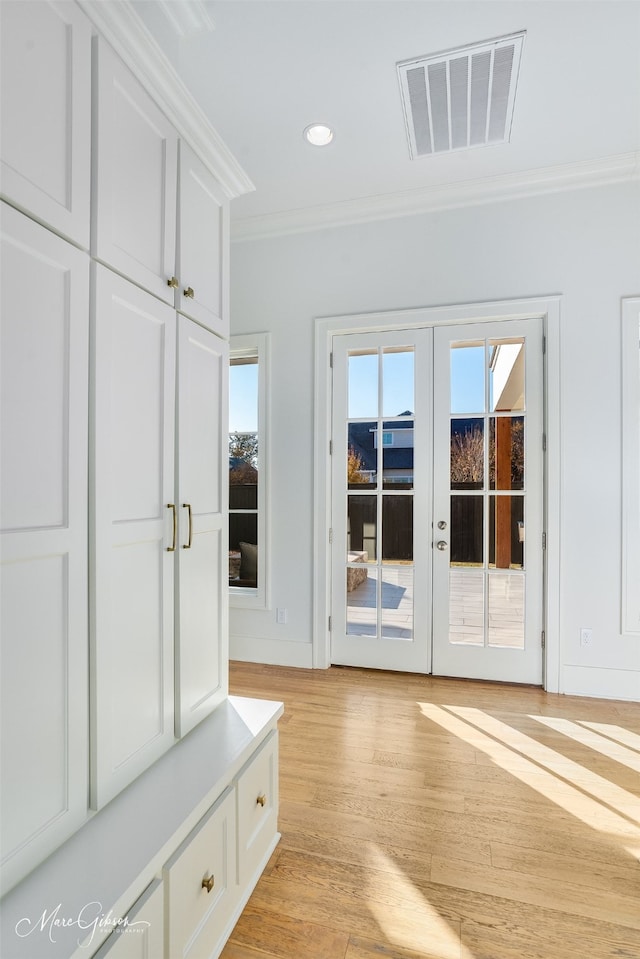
488 501
381 465
437 474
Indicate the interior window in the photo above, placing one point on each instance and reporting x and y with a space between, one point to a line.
247 462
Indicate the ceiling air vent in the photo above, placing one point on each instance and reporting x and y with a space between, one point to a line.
461 98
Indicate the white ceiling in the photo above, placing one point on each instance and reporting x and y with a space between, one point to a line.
269 68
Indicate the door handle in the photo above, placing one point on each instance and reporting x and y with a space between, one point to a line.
442 545
172 507
187 506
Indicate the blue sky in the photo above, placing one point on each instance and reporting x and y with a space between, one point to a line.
467 383
467 387
243 398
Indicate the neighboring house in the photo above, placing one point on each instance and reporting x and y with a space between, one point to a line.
396 449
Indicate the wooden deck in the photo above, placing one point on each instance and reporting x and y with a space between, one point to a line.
466 606
426 818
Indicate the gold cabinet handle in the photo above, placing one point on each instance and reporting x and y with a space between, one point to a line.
189 292
173 282
187 506
261 800
209 883
172 506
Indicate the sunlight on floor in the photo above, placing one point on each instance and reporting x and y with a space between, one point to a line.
559 779
424 929
617 733
599 744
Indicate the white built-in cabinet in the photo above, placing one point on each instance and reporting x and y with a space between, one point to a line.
45 116
143 937
133 357
165 232
202 245
135 159
129 776
158 530
43 518
201 635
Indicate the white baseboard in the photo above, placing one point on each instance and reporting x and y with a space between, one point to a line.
273 652
601 683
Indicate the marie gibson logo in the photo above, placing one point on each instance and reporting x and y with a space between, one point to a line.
90 919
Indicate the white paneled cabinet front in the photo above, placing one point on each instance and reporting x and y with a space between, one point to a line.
159 649
43 516
141 935
45 113
135 178
133 532
201 621
200 883
203 240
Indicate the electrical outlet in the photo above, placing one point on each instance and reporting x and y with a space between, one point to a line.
586 636
281 615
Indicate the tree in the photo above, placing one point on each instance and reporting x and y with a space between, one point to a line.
244 446
467 455
354 468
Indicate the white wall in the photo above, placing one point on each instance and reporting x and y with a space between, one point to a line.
584 245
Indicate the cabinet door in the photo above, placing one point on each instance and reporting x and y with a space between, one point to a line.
202 646
133 355
141 936
201 887
257 811
203 241
43 507
135 168
45 113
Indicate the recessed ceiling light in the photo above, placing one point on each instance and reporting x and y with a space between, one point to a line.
318 134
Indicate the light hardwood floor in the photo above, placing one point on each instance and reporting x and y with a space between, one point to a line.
426 818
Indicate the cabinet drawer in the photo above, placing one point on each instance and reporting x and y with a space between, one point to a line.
143 935
197 915
257 808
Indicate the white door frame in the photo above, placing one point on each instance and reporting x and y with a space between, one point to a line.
549 309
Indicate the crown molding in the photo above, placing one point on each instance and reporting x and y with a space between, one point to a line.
122 28
511 186
187 17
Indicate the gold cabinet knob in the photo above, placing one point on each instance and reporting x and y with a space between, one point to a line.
261 800
208 884
189 292
172 282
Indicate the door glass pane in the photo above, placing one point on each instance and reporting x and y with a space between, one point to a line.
506 375
362 524
397 529
506 610
243 471
467 453
397 382
467 530
506 532
466 606
363 385
397 602
362 603
397 454
467 378
362 456
506 452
